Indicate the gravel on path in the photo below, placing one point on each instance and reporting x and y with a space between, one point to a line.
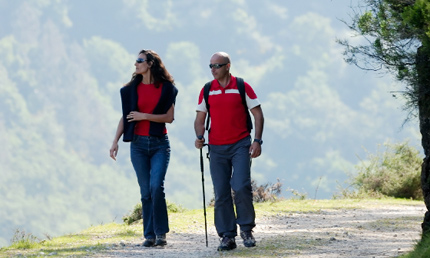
387 231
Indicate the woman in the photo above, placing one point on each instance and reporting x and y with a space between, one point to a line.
148 102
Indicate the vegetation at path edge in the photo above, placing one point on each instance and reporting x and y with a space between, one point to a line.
110 236
393 172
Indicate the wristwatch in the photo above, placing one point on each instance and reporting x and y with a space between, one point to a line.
259 141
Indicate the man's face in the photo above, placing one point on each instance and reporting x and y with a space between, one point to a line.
219 72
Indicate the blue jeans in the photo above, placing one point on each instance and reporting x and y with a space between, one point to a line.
230 170
150 157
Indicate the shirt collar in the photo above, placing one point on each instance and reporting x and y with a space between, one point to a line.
229 85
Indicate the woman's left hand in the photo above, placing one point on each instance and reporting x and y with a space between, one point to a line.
135 116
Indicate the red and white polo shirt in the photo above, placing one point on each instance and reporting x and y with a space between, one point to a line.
228 117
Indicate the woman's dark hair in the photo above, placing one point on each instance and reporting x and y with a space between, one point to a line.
159 72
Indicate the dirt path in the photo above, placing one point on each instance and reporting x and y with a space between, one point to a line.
387 231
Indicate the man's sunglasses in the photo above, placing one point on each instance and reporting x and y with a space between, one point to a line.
216 66
140 60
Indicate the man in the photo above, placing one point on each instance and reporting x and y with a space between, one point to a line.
230 150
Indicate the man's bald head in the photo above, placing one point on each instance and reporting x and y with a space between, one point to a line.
225 57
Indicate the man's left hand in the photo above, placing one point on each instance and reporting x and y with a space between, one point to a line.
255 150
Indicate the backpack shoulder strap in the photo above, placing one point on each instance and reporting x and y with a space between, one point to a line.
206 90
241 88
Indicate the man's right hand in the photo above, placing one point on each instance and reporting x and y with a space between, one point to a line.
200 141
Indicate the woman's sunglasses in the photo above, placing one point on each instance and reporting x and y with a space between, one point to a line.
140 60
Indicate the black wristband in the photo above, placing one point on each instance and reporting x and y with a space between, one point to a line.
259 141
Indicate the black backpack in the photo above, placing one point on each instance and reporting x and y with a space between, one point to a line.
241 88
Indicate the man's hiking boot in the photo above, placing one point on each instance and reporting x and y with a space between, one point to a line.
248 238
149 242
161 240
227 243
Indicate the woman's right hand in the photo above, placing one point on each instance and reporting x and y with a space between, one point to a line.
114 150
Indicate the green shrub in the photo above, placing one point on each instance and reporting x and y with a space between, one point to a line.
394 173
174 208
421 250
22 240
298 195
136 213
133 215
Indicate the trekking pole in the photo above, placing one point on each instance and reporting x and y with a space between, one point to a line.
203 188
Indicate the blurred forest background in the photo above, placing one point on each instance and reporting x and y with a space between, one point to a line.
62 64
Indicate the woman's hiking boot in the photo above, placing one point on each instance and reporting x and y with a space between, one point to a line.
161 240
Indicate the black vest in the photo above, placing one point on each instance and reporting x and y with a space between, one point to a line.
129 103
